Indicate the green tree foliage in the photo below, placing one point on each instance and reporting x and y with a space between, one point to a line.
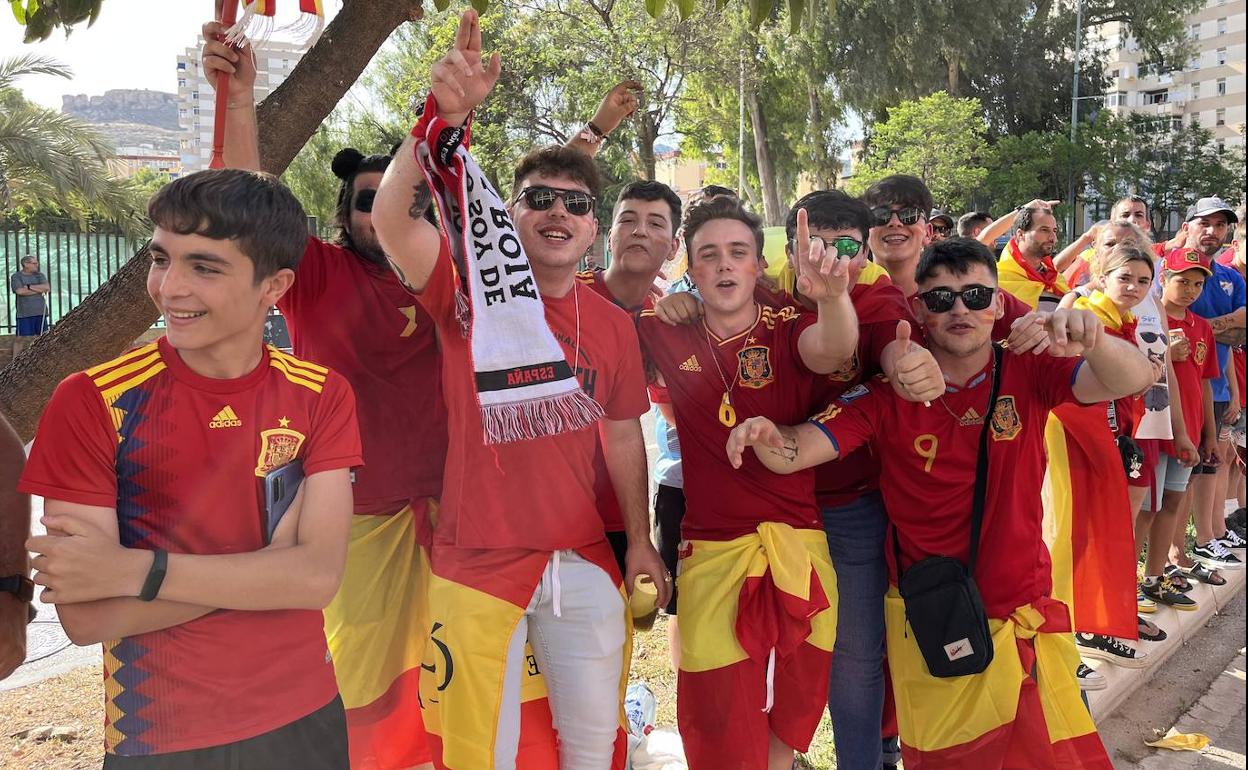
559 58
785 84
54 161
40 17
939 139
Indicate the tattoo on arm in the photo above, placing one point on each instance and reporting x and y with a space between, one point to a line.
421 198
1231 335
788 452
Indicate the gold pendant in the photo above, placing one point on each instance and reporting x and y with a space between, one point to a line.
727 415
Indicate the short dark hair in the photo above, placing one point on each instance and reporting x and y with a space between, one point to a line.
251 208
900 189
1025 219
557 160
29 258
957 255
970 219
347 165
830 209
649 190
720 207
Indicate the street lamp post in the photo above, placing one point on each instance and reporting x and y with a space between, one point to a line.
1074 112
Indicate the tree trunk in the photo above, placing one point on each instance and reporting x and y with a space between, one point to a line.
953 62
647 135
762 157
119 311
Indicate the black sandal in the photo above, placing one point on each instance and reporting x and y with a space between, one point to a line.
1205 575
1142 628
1177 579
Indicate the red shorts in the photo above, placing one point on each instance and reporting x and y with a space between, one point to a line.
1150 449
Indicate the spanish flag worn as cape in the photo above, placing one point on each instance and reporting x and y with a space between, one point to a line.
1087 516
1130 409
1019 278
1023 713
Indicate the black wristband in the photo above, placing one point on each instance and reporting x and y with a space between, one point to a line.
155 575
601 134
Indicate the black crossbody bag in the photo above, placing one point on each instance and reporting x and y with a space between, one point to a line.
943 607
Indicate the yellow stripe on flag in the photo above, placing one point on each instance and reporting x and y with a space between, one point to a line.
1058 504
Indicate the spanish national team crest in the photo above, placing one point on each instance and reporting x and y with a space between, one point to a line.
848 371
278 446
1006 424
754 369
1202 350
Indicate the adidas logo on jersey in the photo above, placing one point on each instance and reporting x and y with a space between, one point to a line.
226 419
691 365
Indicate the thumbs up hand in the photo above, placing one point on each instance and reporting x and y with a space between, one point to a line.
914 374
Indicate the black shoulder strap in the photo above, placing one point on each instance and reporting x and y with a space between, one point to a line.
981 465
981 474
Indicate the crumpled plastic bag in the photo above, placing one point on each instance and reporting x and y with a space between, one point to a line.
661 749
1181 742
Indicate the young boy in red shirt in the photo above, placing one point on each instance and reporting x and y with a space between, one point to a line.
153 469
1184 271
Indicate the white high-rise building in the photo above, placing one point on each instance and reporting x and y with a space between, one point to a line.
1209 91
196 105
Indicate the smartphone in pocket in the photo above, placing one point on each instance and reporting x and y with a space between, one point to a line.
280 487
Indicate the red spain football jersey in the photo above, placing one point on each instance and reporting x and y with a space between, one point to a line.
357 319
928 456
182 459
766 377
604 492
1201 364
880 306
536 494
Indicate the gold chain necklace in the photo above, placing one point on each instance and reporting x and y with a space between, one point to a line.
727 413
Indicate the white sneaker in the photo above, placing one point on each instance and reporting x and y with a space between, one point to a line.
1090 679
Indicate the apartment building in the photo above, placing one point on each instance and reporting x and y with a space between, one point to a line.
274 62
1210 91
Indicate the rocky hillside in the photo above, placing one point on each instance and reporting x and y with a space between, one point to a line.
149 108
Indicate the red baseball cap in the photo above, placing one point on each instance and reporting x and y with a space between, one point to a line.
1183 258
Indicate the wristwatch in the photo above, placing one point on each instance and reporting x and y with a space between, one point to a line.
24 589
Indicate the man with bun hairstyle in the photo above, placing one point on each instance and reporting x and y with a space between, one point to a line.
348 311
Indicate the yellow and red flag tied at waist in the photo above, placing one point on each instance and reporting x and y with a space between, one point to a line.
1087 522
376 628
475 605
1023 713
757 624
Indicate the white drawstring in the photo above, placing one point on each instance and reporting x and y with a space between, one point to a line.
554 585
771 680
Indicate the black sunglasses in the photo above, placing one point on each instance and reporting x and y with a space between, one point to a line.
882 215
364 201
1151 337
540 198
940 230
975 297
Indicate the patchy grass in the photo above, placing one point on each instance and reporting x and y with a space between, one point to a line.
74 700
652 664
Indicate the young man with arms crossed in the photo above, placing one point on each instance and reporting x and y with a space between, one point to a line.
519 551
752 679
928 457
153 468
347 311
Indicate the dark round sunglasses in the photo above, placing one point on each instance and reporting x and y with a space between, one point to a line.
882 215
540 198
364 201
975 297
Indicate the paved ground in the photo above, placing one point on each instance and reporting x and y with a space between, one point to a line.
1201 689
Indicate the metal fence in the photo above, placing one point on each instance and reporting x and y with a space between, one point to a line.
75 263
